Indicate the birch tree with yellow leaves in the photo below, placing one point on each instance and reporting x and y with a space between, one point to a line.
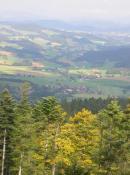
78 144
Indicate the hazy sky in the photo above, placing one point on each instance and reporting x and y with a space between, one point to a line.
65 9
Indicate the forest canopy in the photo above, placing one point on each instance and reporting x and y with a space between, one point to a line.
43 139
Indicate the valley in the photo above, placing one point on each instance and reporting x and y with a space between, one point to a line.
67 64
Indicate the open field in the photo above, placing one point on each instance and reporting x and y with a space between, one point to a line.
23 70
13 69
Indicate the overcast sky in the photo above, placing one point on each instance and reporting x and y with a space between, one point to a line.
66 9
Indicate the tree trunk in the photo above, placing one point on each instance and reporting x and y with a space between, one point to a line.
20 170
55 148
53 169
20 166
3 155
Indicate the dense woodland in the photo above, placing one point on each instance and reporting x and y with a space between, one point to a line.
92 104
43 139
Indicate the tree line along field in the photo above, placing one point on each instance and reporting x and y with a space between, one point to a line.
42 138
63 85
71 82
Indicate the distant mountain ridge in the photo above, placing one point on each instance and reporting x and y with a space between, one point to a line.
88 26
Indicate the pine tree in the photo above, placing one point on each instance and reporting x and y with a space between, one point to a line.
7 106
49 117
126 123
112 151
23 135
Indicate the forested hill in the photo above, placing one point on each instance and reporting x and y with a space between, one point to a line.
36 41
42 139
118 55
